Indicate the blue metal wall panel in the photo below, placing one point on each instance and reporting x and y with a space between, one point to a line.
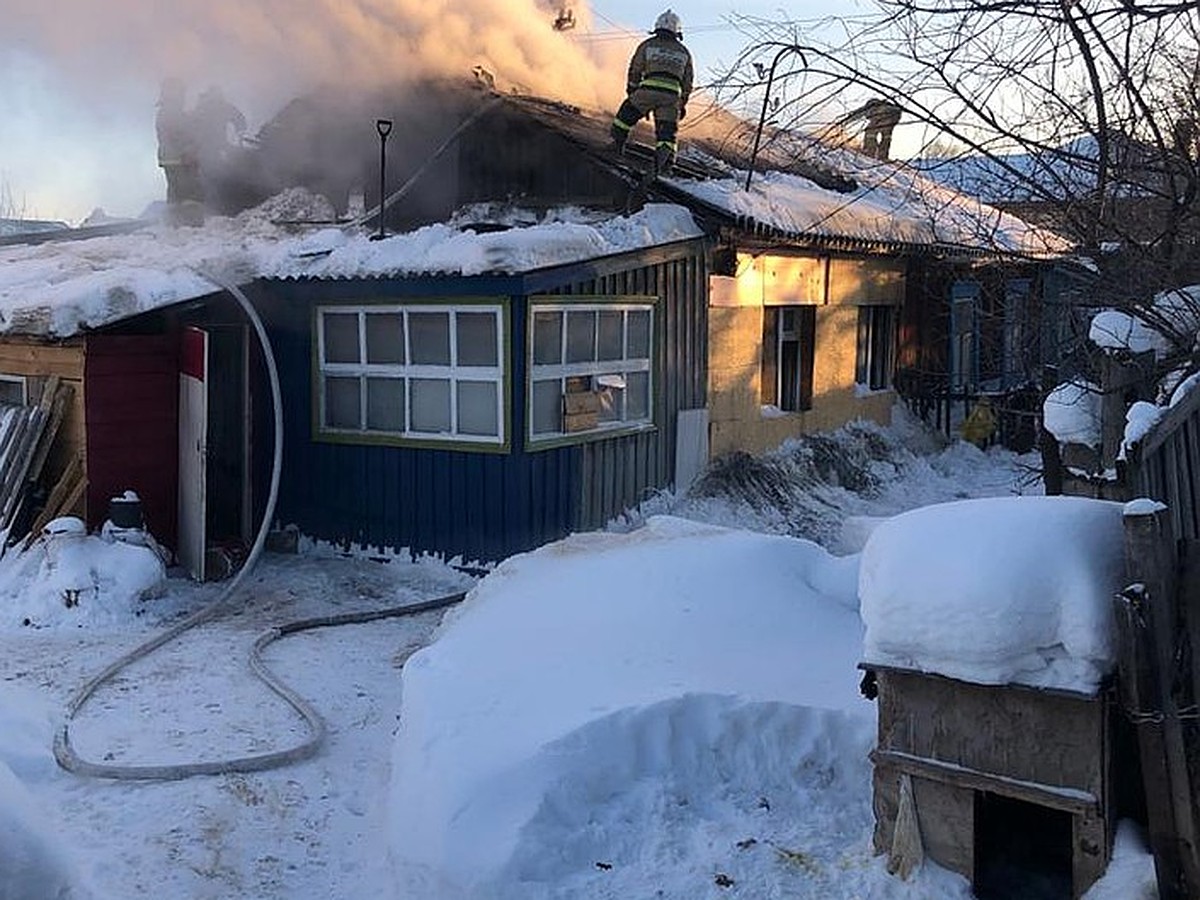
619 473
480 506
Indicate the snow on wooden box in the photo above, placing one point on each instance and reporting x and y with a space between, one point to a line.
990 636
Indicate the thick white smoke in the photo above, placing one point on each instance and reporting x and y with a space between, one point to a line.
266 51
81 76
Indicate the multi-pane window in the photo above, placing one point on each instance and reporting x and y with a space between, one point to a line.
1016 310
789 343
420 372
964 335
875 359
590 368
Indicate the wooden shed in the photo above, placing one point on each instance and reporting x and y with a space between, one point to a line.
1013 786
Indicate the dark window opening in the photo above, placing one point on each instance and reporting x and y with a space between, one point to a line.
789 342
1021 850
1018 355
875 359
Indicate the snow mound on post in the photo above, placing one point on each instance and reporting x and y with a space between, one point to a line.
575 670
1071 412
995 591
1114 329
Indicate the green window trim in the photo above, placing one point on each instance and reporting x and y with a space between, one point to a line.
591 368
428 373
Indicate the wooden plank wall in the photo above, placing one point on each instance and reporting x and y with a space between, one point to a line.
1165 466
36 360
956 739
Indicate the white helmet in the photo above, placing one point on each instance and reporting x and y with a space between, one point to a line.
668 21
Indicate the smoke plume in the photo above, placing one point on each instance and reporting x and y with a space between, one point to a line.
266 51
81 77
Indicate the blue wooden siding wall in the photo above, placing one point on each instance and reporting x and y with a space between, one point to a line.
478 506
619 473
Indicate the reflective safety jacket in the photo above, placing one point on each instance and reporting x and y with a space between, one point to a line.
661 62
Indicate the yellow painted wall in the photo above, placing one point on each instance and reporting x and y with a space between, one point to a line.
735 322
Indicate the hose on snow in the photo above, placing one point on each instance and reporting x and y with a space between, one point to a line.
64 751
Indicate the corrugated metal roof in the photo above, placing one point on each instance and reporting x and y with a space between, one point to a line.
719 150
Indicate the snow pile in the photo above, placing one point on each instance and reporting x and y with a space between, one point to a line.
833 487
1116 330
1172 317
1071 412
1139 419
995 591
1184 389
72 579
1179 311
1130 874
591 703
33 863
60 288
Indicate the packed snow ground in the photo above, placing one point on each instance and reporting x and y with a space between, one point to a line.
743 774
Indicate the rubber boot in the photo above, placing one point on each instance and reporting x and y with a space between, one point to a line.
664 160
619 136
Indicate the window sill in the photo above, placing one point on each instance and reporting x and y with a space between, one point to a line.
533 445
432 442
770 411
861 390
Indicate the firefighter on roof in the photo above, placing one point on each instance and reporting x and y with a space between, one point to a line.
659 83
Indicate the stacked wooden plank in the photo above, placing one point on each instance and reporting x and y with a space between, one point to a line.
26 435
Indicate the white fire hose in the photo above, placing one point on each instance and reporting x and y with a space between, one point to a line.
65 753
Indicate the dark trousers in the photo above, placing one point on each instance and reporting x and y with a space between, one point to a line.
664 106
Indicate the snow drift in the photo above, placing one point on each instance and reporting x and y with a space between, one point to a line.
33 862
539 702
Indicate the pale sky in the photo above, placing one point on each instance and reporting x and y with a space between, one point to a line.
77 105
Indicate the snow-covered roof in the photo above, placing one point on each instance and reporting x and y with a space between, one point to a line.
893 207
805 189
1004 590
806 192
61 288
13 227
1058 173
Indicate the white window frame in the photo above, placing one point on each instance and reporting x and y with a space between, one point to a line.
602 373
453 373
20 380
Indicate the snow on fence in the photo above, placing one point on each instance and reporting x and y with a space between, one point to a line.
1158 617
1164 465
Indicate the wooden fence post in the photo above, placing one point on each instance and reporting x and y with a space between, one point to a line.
1150 638
1052 468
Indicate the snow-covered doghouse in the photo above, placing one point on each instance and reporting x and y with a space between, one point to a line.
990 640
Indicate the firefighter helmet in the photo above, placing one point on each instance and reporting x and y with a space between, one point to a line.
668 21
